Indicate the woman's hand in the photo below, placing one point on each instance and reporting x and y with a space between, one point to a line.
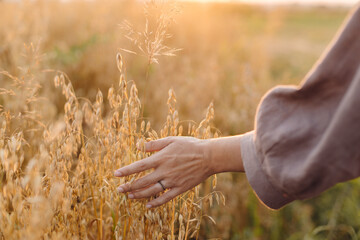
180 164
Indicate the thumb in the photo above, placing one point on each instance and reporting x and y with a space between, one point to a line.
159 144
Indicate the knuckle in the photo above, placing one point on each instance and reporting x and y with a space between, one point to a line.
156 201
134 185
141 182
170 138
142 165
147 181
137 195
142 195
157 162
150 145
167 198
148 194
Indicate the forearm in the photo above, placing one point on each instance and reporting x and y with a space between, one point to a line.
224 154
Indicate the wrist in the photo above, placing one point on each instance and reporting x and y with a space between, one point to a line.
208 156
223 154
213 153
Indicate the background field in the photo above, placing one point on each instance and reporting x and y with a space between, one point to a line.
230 55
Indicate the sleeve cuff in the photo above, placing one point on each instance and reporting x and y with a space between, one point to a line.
271 196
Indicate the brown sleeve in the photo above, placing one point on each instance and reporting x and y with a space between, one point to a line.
307 138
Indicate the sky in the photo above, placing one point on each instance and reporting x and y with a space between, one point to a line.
327 2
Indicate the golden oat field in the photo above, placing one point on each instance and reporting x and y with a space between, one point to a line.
82 82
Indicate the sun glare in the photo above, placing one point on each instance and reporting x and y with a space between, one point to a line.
326 2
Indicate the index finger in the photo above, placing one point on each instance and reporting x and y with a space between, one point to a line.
157 145
136 167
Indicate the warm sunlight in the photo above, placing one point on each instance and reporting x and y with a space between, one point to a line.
179 119
326 2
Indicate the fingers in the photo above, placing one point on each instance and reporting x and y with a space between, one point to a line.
147 186
136 167
147 192
157 145
146 163
143 182
167 196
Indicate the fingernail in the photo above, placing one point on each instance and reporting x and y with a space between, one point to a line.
117 174
120 190
148 206
131 195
